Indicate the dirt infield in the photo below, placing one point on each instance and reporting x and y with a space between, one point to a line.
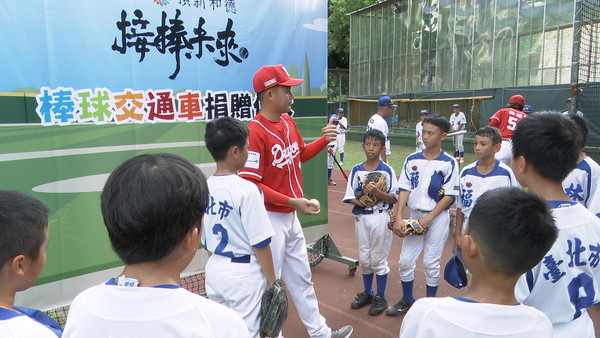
336 289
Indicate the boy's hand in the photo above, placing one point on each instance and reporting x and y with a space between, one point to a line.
330 133
372 189
304 206
399 227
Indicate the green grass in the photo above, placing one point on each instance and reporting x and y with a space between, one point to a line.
354 154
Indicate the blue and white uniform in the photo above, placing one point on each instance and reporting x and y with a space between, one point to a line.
235 222
342 129
567 280
582 184
419 132
370 223
27 323
458 123
473 184
378 122
416 177
460 317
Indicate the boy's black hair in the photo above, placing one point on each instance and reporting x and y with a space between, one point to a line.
514 229
149 203
374 134
583 128
438 121
23 221
514 105
549 142
224 133
490 132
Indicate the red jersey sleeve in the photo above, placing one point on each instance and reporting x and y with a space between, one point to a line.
495 119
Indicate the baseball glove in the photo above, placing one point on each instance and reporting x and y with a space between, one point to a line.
369 199
273 310
413 227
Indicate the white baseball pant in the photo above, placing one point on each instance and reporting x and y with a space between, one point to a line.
239 286
290 260
432 243
374 242
330 156
340 142
458 143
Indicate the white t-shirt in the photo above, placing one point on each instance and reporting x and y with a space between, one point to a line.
457 120
235 218
119 311
459 317
377 122
567 280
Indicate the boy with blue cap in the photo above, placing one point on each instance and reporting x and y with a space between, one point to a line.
385 109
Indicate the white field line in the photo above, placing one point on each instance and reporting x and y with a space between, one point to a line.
94 150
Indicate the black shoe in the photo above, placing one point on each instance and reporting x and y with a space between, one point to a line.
361 300
379 305
399 308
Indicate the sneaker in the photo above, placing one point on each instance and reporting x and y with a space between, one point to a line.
462 160
379 305
342 163
361 300
399 308
332 183
342 332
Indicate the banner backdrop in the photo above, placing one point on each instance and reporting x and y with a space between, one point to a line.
103 81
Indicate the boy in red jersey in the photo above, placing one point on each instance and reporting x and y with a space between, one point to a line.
274 155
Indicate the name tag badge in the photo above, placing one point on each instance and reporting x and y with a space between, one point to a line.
253 160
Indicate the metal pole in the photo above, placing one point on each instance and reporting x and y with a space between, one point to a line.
575 58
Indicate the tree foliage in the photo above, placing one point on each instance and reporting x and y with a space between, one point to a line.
338 48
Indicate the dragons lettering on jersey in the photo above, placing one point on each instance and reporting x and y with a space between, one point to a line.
283 156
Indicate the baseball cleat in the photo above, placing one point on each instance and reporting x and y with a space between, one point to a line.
379 305
399 308
361 300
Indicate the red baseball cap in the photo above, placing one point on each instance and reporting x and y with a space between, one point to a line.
271 76
518 99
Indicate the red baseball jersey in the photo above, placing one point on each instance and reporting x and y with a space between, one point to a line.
274 157
506 120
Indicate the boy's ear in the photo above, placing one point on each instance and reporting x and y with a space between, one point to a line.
444 135
497 147
470 246
519 164
19 264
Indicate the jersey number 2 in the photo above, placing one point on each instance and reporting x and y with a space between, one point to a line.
218 229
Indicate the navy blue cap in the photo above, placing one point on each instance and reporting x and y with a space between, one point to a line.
385 101
527 109
569 100
436 186
424 111
455 272
456 105
334 117
340 110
